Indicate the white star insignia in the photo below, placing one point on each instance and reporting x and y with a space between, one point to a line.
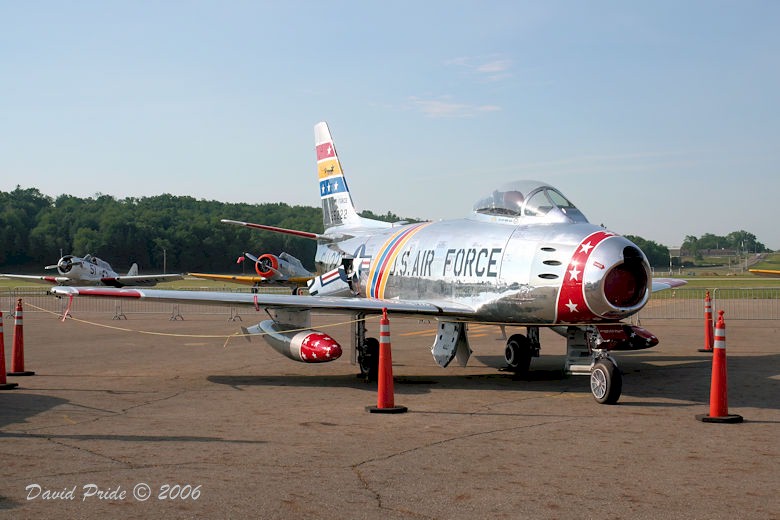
572 306
330 149
363 263
574 273
585 248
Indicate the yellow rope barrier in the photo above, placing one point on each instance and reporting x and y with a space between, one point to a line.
208 336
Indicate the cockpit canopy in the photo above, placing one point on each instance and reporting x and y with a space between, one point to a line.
528 201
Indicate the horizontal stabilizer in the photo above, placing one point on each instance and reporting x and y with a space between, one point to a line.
329 237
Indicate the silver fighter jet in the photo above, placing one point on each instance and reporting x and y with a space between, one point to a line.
525 256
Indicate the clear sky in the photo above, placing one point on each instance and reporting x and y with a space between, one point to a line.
658 119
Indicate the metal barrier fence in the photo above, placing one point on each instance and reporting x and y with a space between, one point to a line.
682 303
755 303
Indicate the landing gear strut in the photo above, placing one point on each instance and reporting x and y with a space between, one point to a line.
365 351
368 359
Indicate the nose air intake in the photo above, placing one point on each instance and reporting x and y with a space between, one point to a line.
625 285
616 279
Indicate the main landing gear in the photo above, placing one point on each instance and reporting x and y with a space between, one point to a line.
520 349
368 359
365 351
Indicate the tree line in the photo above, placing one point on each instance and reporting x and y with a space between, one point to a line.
177 232
181 233
736 242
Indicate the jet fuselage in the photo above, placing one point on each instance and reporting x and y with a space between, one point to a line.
531 274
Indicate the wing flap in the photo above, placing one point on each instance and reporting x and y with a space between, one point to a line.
251 280
141 280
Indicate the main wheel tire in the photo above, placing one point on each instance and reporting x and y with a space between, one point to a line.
517 353
606 382
368 359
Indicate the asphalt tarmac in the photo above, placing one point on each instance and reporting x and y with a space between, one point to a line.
193 424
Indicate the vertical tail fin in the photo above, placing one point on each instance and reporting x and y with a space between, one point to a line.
337 206
133 270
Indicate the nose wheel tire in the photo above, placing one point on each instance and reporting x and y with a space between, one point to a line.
606 382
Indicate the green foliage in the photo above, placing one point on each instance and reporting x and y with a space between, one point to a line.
19 212
178 233
388 217
736 241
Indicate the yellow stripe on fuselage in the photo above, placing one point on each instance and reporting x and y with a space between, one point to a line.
385 259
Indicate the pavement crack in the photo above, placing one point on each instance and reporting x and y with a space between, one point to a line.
357 468
128 465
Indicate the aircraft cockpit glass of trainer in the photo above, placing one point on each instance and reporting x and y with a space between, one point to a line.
532 200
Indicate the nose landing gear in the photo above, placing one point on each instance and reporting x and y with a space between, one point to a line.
584 357
606 380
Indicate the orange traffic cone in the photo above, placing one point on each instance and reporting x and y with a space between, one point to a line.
17 354
385 402
709 340
719 406
4 384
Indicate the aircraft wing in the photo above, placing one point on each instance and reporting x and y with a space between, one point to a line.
766 272
252 280
335 303
661 284
142 280
39 279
